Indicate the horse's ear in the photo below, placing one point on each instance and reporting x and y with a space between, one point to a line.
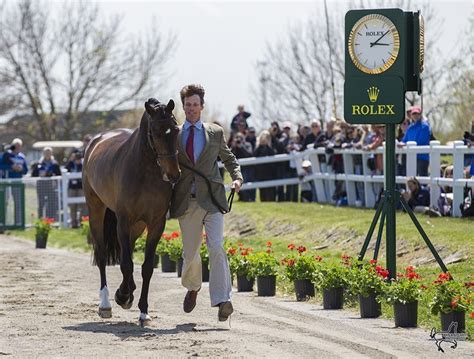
170 106
149 109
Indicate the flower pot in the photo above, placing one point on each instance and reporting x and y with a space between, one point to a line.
333 298
457 317
180 267
156 260
266 285
406 315
304 289
369 308
244 284
167 265
205 271
41 240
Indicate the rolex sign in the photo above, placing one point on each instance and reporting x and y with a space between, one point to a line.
374 100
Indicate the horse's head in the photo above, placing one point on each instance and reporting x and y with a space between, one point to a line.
163 138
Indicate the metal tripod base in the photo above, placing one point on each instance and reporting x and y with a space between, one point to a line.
380 213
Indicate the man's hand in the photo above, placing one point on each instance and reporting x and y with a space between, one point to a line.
236 185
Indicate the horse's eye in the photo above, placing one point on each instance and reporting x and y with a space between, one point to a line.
168 131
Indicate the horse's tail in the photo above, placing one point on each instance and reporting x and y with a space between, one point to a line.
110 241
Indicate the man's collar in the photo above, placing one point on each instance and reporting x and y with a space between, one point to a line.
188 124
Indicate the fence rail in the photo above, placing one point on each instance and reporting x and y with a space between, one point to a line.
361 184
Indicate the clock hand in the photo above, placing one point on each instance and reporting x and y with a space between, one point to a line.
376 41
373 44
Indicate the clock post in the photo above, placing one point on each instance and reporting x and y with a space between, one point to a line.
384 59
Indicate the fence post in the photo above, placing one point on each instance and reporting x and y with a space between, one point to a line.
435 168
318 182
348 162
411 159
368 185
458 173
64 187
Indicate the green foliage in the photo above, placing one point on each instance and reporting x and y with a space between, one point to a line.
450 295
203 252
332 274
367 278
170 245
300 266
239 261
85 226
263 264
43 226
406 288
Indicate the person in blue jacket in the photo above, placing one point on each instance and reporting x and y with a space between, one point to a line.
420 132
14 164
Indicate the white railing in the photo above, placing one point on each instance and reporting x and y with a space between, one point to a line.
324 178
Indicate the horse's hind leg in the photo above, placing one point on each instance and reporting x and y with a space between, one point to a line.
124 294
153 237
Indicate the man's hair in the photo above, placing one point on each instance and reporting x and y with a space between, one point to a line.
190 90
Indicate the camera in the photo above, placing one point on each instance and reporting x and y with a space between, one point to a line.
468 136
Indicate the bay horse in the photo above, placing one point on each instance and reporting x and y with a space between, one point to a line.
127 180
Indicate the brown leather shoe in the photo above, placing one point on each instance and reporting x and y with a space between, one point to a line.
225 310
190 300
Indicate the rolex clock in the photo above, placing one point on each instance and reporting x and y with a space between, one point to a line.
374 44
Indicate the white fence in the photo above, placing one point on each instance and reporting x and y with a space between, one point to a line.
361 184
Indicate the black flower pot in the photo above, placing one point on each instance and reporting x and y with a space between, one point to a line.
180 267
333 298
167 265
205 271
244 284
41 240
457 317
406 315
156 260
369 308
266 285
304 289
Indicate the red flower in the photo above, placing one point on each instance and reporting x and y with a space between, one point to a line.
378 268
231 251
383 273
423 286
290 262
240 244
410 269
454 303
85 218
444 276
269 250
345 257
269 244
318 258
472 315
373 261
175 234
244 252
413 275
301 249
291 246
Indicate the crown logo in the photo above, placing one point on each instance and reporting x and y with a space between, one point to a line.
373 93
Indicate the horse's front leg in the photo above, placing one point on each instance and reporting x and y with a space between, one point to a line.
152 239
124 294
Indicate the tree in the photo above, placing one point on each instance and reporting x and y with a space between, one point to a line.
303 72
59 68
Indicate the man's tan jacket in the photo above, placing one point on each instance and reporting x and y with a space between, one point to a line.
207 164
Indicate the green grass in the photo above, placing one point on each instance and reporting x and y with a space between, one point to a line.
341 229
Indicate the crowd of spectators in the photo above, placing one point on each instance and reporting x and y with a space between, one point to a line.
285 137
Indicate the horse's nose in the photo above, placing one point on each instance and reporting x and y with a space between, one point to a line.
175 179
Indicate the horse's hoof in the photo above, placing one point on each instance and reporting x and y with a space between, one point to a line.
105 313
125 303
144 319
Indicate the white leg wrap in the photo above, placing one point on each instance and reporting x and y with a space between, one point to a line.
104 298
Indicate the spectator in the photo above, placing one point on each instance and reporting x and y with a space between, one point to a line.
47 189
251 138
265 172
420 132
277 145
308 190
243 149
74 165
3 166
241 115
316 138
14 162
418 198
468 140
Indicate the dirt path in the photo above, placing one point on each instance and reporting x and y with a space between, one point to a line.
48 303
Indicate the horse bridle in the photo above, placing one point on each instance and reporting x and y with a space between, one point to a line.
150 143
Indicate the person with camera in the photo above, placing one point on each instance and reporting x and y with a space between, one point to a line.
468 140
242 149
47 189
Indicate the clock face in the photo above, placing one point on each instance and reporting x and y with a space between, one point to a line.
374 44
